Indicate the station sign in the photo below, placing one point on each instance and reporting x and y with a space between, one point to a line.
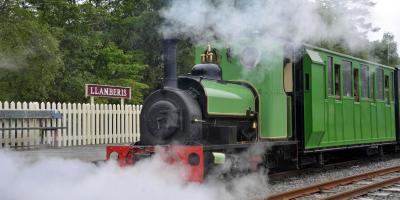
94 90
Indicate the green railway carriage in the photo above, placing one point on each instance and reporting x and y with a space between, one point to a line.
347 101
320 98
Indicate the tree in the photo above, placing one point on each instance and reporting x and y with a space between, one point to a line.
91 52
116 67
384 51
347 26
29 56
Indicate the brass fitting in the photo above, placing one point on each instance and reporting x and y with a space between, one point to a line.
208 56
254 125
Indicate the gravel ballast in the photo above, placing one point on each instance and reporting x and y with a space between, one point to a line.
306 179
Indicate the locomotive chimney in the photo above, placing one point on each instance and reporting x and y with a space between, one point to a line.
170 62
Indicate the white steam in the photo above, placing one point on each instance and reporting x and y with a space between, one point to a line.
299 21
53 178
12 61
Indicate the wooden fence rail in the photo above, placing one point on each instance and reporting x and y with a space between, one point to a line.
86 124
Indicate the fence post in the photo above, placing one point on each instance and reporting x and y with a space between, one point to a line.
84 124
134 116
138 110
40 123
25 124
118 133
63 122
102 122
19 138
114 124
13 133
73 125
6 134
1 126
54 123
79 124
97 132
30 133
92 124
48 123
36 106
129 133
107 119
125 115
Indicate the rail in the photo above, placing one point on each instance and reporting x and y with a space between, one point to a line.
364 190
331 184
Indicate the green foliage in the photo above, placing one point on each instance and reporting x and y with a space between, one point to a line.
185 54
29 56
116 67
385 50
58 46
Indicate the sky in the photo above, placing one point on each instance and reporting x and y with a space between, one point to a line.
386 15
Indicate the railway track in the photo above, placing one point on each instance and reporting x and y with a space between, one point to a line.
286 174
379 184
278 176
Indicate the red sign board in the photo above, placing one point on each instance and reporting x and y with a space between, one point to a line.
93 90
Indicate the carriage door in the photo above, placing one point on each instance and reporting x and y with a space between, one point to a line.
288 58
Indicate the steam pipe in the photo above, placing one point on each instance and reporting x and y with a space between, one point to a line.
170 79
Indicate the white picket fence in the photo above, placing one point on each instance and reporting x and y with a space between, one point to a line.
86 124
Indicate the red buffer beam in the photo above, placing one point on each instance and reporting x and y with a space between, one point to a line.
190 157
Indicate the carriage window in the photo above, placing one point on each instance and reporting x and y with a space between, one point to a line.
372 85
288 69
379 82
387 86
347 79
337 81
356 82
330 81
364 81
392 84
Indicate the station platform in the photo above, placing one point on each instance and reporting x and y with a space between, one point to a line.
88 153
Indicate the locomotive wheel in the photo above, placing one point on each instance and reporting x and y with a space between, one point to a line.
167 117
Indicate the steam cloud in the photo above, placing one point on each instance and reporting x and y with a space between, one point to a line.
299 21
233 23
14 60
53 178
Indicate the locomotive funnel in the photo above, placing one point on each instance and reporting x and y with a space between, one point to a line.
170 62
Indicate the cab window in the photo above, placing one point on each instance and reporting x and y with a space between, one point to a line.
288 69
